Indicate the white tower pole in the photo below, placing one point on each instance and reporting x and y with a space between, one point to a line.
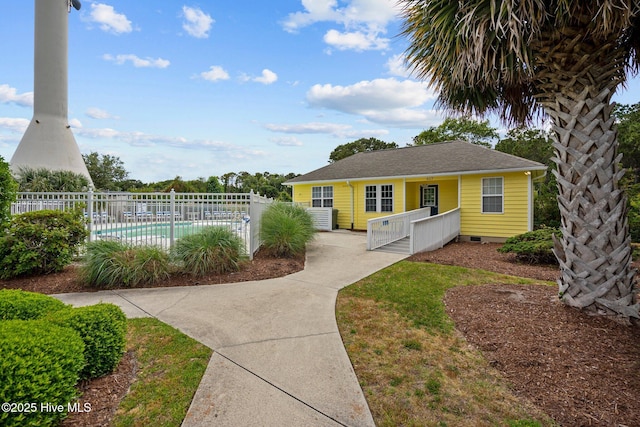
48 141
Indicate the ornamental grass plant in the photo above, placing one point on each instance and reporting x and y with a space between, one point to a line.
286 229
214 250
109 264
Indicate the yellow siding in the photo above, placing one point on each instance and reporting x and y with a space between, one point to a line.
515 217
447 193
342 200
360 216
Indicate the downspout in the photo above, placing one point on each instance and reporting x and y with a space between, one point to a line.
530 197
352 208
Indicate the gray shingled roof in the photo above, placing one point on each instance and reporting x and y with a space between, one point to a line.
434 159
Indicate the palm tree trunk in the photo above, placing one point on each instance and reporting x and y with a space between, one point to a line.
576 82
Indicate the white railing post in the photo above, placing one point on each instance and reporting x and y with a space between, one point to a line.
172 217
90 212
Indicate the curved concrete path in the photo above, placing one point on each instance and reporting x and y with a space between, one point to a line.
278 356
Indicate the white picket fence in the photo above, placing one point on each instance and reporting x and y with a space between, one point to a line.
156 218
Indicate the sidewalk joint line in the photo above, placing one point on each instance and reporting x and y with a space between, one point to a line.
319 334
281 389
134 304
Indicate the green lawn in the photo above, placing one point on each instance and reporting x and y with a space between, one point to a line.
170 366
414 368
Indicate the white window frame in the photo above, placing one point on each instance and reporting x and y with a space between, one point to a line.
487 195
325 196
378 188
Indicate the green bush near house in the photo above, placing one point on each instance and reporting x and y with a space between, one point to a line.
214 249
285 229
109 264
39 365
41 242
103 329
21 305
535 247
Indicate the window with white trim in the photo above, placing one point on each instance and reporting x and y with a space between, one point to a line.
492 195
378 198
322 197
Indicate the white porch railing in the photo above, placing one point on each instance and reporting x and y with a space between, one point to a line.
384 230
432 233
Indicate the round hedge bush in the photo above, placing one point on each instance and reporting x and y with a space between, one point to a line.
103 329
16 304
39 365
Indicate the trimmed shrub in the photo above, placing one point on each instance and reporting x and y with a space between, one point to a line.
286 229
113 264
214 249
39 365
103 329
8 188
16 304
534 247
41 242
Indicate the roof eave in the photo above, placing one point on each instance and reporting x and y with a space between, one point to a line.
474 172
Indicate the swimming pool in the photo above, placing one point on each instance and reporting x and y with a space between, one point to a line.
160 233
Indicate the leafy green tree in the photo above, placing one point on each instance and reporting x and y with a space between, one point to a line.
214 185
359 146
51 180
464 128
8 188
107 171
628 117
532 144
229 182
536 145
564 58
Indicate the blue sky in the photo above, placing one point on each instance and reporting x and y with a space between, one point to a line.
201 89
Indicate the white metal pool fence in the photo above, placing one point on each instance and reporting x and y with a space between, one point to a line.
155 218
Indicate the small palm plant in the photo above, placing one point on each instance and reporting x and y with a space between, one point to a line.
114 264
215 250
285 229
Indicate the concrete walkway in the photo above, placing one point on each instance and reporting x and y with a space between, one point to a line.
278 356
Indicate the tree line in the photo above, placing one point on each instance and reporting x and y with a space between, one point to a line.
109 173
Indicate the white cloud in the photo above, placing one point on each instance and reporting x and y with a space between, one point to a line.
267 77
334 129
356 40
196 23
75 123
9 94
397 67
313 127
215 73
100 114
378 94
385 101
109 20
137 61
13 124
363 22
287 141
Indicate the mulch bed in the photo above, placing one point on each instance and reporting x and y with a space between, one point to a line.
581 370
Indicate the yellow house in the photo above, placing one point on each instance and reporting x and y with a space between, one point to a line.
492 191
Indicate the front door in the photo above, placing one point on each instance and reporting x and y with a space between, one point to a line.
429 198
